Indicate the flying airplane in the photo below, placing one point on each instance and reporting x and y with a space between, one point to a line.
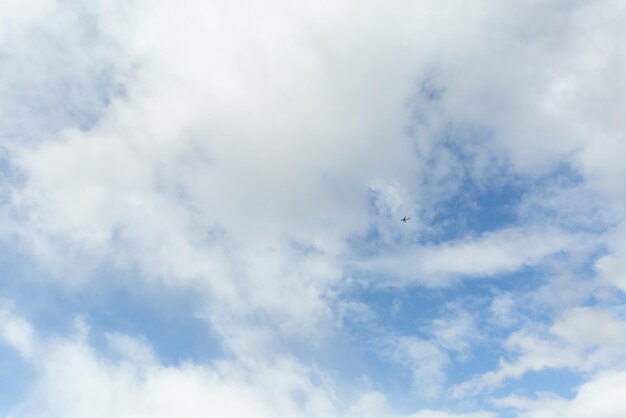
405 219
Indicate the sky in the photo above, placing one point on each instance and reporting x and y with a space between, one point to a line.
200 209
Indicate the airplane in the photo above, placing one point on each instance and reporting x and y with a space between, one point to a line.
405 219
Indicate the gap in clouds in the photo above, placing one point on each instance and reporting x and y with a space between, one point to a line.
536 296
470 198
385 314
165 316
17 378
480 190
562 382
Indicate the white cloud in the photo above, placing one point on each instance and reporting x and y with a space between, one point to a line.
133 349
584 340
588 327
611 268
16 332
74 379
502 309
456 332
542 88
427 363
493 253
601 397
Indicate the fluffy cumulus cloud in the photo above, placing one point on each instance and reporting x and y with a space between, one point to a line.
259 156
600 397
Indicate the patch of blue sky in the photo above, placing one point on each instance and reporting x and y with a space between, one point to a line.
484 356
159 316
481 206
402 304
16 379
364 361
561 382
407 310
164 318
477 210
403 308
479 191
16 375
474 208
411 312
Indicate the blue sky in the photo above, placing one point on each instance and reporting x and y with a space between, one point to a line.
200 208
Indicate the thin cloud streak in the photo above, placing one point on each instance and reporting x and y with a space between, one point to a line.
496 253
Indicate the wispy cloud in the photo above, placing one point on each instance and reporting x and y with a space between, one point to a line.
134 382
583 339
496 253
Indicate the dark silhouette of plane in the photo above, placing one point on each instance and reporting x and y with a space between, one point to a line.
405 219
